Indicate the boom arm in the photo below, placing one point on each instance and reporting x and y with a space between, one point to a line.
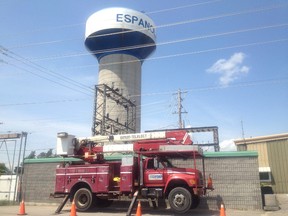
174 137
90 146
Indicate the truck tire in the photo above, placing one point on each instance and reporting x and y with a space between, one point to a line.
83 199
180 200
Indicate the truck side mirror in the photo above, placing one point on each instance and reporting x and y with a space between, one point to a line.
156 164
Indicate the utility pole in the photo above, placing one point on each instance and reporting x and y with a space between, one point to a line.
180 107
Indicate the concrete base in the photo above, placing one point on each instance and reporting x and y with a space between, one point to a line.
271 208
271 203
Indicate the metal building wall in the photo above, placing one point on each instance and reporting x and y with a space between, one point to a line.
278 160
261 148
273 151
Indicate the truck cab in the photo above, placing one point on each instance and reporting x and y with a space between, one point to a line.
161 177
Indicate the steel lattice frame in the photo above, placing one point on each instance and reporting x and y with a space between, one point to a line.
103 124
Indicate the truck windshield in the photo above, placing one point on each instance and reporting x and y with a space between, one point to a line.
165 163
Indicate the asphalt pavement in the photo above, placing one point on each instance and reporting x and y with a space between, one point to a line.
46 210
120 208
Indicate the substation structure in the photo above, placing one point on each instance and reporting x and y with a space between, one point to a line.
103 123
209 129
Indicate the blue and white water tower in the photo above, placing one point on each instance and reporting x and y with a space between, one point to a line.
121 39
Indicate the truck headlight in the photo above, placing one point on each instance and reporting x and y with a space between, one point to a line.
192 181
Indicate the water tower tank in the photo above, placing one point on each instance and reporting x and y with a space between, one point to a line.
121 39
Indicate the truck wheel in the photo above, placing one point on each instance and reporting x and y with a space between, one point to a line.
83 199
180 200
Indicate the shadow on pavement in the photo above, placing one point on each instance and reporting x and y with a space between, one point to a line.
122 207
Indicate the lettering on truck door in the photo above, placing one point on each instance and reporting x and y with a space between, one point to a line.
153 176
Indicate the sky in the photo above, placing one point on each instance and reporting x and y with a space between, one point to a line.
228 57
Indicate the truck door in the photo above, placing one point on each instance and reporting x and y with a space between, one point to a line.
154 173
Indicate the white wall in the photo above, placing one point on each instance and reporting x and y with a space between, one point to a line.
7 187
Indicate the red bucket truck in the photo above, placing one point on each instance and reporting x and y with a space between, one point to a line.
143 169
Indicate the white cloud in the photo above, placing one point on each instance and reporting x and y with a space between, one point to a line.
229 69
227 145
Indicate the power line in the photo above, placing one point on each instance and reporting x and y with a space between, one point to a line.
219 87
52 120
154 58
224 33
204 51
220 34
225 15
182 7
159 44
165 25
164 43
53 81
6 52
208 88
78 24
42 102
48 72
220 48
44 29
196 52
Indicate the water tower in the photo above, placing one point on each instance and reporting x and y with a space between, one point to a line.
121 39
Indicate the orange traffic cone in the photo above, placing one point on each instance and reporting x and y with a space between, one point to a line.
22 208
209 182
222 210
73 209
139 212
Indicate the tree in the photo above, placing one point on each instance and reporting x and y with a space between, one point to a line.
32 155
4 169
41 155
49 153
